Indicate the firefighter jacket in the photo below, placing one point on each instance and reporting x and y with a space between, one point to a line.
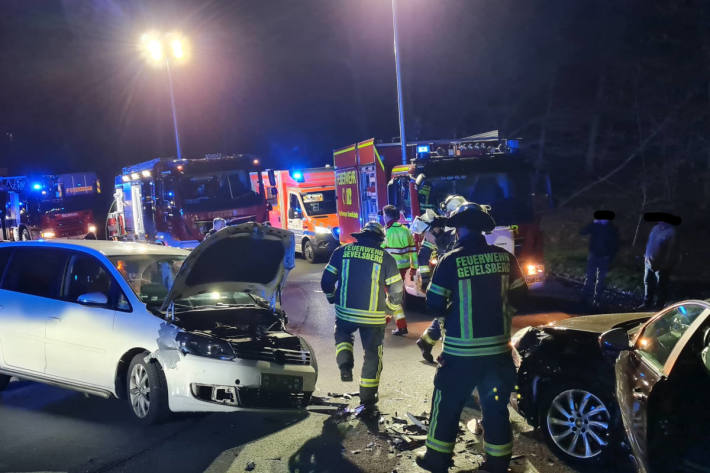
429 251
400 244
472 288
355 280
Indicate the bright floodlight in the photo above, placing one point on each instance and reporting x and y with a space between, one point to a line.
157 47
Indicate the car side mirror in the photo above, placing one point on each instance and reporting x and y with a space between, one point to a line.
92 298
614 341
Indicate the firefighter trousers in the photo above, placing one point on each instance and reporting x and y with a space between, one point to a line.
372 337
433 333
495 378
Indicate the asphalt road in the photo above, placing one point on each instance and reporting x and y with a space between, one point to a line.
44 428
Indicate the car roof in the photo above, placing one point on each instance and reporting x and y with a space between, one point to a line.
106 247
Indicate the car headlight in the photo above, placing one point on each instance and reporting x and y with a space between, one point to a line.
204 346
322 230
532 269
48 234
92 228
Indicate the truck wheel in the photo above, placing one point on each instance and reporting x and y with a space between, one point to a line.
309 253
25 235
147 390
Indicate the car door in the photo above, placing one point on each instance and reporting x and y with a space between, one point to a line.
642 372
295 218
80 335
29 295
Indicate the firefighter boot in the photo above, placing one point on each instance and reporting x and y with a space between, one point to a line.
346 374
435 462
425 349
495 464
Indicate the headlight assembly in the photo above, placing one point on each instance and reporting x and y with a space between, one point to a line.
204 346
322 230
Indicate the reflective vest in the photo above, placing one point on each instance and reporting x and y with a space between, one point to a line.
400 244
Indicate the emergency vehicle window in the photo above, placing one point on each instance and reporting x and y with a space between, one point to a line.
86 274
294 207
660 336
36 271
398 193
319 203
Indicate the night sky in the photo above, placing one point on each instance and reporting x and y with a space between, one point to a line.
291 80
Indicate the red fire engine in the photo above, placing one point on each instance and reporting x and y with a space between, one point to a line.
49 206
485 168
174 201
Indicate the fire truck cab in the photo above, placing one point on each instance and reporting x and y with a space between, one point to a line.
486 169
174 202
303 201
49 206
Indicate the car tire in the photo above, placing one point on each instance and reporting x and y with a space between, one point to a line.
4 381
309 253
592 420
25 235
146 390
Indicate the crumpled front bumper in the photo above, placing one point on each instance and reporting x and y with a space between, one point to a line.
200 384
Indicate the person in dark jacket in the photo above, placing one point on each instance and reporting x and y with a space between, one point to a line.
473 287
662 253
364 283
603 245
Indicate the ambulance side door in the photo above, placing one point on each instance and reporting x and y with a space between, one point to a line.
295 218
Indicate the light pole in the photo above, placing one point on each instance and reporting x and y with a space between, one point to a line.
153 47
400 103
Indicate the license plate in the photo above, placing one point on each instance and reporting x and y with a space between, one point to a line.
281 383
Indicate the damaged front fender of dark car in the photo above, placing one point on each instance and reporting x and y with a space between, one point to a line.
224 345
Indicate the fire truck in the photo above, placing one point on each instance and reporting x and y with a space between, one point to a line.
303 201
173 201
486 169
49 206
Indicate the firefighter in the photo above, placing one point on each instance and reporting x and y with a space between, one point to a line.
355 280
400 244
472 287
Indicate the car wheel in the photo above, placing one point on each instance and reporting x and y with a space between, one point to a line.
4 381
309 252
578 423
147 390
25 235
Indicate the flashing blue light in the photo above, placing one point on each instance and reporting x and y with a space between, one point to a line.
297 176
36 186
422 148
683 310
171 194
514 144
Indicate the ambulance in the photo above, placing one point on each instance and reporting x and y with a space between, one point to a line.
304 202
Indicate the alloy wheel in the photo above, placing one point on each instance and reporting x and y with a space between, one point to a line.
578 423
139 391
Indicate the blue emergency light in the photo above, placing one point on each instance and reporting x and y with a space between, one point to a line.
37 186
297 176
171 194
514 145
422 148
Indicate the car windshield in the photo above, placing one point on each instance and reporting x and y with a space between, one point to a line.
150 276
319 203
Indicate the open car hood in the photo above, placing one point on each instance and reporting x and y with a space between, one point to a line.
249 257
599 323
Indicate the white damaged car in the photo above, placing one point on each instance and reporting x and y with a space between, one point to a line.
166 329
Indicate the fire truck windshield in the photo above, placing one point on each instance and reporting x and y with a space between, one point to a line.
216 191
319 203
68 204
507 194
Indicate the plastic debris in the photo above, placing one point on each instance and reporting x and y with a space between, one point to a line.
250 466
420 425
474 426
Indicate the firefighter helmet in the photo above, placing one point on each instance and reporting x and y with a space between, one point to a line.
373 229
423 222
472 216
451 203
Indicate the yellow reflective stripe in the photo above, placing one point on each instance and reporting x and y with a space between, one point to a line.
429 244
375 287
343 346
431 441
378 157
332 269
399 314
399 251
439 290
477 341
396 278
344 281
344 150
439 446
362 320
352 311
379 363
392 306
369 383
517 283
483 351
498 450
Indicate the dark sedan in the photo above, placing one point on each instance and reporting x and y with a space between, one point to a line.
663 388
566 384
